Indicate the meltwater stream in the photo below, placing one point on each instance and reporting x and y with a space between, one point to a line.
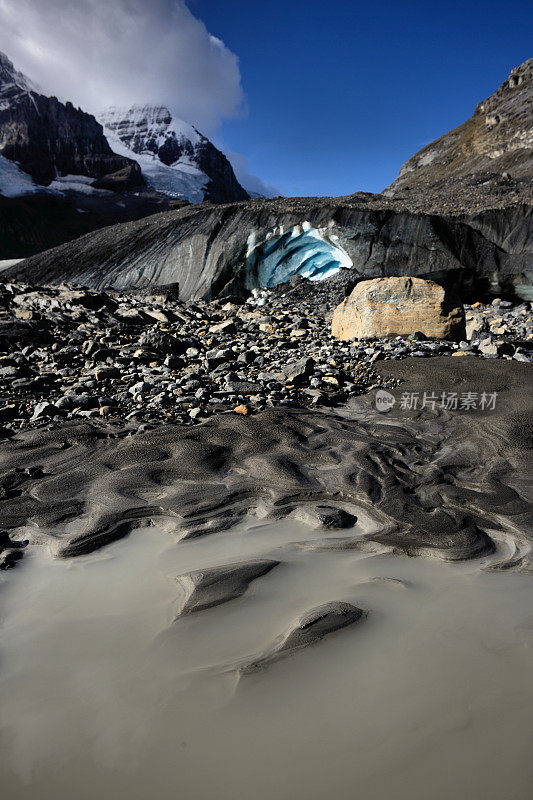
103 694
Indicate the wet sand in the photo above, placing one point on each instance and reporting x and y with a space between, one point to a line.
104 693
268 636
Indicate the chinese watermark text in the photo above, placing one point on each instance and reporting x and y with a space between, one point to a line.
453 401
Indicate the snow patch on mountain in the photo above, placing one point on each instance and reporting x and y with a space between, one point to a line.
76 183
13 181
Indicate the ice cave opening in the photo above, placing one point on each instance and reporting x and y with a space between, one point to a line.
301 250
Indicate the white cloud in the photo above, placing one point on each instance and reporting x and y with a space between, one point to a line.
98 53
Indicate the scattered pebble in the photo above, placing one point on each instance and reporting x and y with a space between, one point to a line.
139 359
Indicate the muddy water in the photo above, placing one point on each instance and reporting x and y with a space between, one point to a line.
103 695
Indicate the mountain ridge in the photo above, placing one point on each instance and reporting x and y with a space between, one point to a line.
143 145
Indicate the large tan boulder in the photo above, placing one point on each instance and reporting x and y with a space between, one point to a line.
387 307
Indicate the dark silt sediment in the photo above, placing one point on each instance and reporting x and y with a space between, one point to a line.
448 484
214 586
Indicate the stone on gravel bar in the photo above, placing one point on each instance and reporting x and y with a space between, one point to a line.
44 409
399 307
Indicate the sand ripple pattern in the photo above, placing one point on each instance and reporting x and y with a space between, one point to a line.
436 487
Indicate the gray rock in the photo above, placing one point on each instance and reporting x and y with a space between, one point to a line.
228 326
323 516
140 388
243 387
8 372
44 409
298 370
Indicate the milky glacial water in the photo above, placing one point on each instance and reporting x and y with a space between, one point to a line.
103 695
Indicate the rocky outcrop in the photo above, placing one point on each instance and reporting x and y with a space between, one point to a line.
47 137
123 180
399 307
220 250
498 138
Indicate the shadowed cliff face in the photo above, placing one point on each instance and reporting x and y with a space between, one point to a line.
47 137
218 250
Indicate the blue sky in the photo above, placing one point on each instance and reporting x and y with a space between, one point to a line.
316 97
340 94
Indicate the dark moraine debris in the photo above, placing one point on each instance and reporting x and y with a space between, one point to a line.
10 551
211 587
206 248
325 516
469 541
309 629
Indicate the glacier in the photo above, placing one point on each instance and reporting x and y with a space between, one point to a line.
300 250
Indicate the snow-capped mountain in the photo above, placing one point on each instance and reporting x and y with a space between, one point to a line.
51 140
175 158
59 177
62 175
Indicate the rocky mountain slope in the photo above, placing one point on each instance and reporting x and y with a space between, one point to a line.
47 137
497 138
175 158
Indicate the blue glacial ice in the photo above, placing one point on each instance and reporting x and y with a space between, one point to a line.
301 250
